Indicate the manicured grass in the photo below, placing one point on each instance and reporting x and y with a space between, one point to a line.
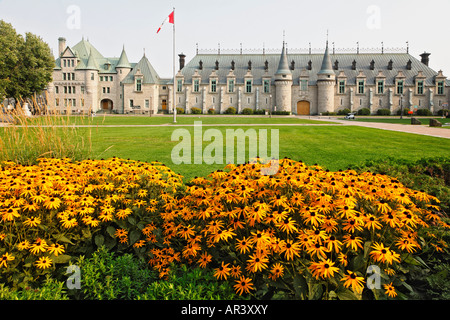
181 120
333 147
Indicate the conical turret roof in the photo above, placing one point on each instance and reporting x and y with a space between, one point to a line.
327 67
283 66
123 60
92 63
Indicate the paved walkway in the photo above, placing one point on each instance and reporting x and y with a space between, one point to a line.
416 129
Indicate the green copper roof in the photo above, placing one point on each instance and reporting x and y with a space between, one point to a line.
92 63
283 66
146 69
123 60
326 68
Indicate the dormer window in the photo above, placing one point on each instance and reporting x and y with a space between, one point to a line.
139 85
399 86
440 87
420 87
213 85
248 86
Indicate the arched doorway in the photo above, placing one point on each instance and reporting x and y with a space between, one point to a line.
106 104
303 108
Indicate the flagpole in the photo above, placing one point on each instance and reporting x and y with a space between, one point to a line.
174 80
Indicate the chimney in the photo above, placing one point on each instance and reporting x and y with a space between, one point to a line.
425 58
62 45
182 61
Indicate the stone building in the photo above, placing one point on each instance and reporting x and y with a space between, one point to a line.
302 84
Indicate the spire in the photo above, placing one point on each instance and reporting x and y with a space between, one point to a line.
283 66
123 60
327 67
92 64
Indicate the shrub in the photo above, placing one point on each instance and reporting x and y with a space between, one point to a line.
230 110
260 111
383 112
247 111
50 289
405 111
364 112
195 110
443 112
281 113
180 110
211 111
344 112
424 112
329 113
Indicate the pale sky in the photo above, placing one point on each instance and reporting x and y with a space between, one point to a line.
111 24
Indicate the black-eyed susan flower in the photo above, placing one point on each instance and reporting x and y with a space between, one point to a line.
44 263
223 271
205 258
257 262
5 258
390 290
39 246
276 271
55 249
353 242
290 249
323 269
352 280
243 285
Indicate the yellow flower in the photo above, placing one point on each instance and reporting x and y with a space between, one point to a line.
52 203
222 272
23 245
390 290
243 285
323 269
352 280
56 249
44 263
5 258
39 246
32 222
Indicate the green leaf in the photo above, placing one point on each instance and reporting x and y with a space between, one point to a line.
300 287
111 231
132 220
346 294
134 236
99 240
64 258
315 291
62 238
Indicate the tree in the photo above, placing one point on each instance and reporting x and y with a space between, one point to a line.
26 65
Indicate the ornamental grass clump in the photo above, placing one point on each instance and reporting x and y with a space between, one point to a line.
304 232
58 209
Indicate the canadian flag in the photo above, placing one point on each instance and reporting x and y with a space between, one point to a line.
170 18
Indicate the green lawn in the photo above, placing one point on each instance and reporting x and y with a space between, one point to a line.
168 120
333 147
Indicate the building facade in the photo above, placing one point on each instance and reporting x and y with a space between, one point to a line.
300 84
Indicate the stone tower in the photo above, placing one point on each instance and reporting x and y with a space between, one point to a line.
91 81
326 79
123 68
283 84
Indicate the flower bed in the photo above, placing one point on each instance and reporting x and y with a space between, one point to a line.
303 233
